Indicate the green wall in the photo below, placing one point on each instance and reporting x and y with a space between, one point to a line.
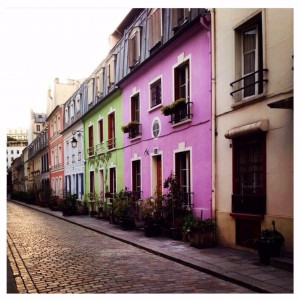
114 157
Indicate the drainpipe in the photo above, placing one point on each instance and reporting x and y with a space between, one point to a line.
213 114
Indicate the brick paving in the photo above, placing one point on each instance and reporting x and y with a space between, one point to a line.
48 255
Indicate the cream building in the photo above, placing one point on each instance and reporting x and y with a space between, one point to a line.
61 93
252 90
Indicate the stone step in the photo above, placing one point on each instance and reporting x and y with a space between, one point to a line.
283 263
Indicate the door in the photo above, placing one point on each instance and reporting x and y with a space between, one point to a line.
158 175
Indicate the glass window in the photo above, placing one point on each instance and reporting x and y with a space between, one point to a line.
155 90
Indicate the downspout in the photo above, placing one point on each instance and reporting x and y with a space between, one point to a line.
211 33
213 114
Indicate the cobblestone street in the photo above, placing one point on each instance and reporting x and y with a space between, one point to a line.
49 255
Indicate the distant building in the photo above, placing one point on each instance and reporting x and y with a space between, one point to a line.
61 93
36 125
17 140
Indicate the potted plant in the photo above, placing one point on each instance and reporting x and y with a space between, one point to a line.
69 205
201 232
174 208
123 209
151 214
269 244
171 108
129 126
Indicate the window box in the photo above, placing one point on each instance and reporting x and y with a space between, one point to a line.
167 110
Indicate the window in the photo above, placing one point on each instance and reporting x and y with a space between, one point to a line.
90 91
155 93
135 108
182 81
249 165
111 142
66 114
12 151
111 71
249 59
100 131
134 47
38 127
112 181
154 28
91 141
18 151
72 110
92 184
100 79
183 175
77 99
156 128
179 17
136 178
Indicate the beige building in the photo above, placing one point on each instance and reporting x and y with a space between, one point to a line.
253 130
61 93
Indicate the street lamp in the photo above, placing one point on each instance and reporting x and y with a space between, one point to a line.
73 140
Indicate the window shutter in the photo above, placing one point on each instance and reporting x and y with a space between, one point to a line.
77 185
174 18
130 52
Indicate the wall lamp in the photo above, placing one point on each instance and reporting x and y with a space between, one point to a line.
73 140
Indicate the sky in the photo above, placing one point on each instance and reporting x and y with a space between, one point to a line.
43 39
39 42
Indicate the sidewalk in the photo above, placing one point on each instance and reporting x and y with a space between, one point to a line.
233 265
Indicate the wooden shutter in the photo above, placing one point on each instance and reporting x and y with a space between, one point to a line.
130 52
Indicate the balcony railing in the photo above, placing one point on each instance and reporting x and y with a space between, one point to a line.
90 151
111 143
181 113
248 204
100 148
249 85
135 131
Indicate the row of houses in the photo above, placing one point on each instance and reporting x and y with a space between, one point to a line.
204 94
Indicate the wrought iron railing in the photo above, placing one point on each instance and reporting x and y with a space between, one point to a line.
181 113
111 143
249 85
135 131
90 151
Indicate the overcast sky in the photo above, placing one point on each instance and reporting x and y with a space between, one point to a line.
40 42
45 39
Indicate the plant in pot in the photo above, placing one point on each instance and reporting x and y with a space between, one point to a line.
269 244
151 214
69 205
174 208
129 126
201 232
173 107
123 209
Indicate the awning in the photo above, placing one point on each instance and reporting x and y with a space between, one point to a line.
236 132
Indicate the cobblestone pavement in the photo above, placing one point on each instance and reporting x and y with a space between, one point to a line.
48 255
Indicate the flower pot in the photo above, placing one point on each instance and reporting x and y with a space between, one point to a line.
202 239
268 250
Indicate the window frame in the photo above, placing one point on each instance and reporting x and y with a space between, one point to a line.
153 84
134 47
253 22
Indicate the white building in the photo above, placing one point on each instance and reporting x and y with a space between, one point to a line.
17 140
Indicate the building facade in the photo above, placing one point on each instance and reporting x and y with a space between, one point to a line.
56 151
74 144
16 142
176 67
254 123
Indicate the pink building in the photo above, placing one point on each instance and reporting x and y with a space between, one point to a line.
180 142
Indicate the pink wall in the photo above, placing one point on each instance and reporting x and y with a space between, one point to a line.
195 135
